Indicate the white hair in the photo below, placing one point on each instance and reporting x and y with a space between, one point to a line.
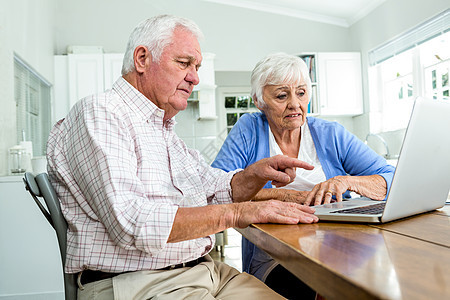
155 34
276 69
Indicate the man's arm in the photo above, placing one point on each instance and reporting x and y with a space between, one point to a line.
196 222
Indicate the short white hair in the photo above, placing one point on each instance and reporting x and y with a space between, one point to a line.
155 34
276 69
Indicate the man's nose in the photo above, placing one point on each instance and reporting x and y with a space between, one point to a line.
192 76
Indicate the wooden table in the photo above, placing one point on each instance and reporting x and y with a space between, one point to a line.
405 259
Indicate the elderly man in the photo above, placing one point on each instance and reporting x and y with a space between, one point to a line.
139 202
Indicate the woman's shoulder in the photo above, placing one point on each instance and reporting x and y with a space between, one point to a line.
256 119
314 122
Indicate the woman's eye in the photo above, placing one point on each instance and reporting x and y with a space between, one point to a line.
301 94
282 96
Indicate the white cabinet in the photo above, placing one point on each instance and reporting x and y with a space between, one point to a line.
112 68
340 84
80 75
207 89
336 83
85 75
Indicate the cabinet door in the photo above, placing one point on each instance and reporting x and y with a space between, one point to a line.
340 84
85 76
112 63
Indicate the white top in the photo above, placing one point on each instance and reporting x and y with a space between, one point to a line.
305 180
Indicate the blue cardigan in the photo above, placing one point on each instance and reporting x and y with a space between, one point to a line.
339 152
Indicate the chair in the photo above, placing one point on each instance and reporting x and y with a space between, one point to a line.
40 186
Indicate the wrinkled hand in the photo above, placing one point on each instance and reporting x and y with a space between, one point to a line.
272 211
322 193
294 196
280 169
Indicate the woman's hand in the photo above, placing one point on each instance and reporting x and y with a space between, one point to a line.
372 186
323 192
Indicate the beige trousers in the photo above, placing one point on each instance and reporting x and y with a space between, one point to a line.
207 280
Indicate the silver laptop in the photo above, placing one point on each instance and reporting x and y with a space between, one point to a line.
421 180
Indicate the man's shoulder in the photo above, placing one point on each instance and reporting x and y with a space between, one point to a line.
107 101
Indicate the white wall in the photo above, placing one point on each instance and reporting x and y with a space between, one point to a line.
27 29
239 37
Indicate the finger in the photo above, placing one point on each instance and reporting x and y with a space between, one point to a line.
280 179
300 217
311 195
307 209
328 196
283 162
339 197
308 219
279 184
291 173
318 199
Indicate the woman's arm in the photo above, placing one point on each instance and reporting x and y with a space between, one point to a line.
285 195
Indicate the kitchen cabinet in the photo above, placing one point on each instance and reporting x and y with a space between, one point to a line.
80 75
336 83
207 89
30 260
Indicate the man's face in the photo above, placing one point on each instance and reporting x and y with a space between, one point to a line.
169 82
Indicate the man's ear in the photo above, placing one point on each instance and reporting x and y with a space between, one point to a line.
141 57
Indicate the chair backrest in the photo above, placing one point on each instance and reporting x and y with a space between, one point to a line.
40 186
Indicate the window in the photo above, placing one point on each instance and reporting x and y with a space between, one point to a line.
236 105
415 64
32 96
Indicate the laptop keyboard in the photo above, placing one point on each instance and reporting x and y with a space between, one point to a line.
373 209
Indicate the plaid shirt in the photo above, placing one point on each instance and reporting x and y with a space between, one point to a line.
121 173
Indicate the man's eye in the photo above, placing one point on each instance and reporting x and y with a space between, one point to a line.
185 64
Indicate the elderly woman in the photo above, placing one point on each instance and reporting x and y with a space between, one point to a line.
281 89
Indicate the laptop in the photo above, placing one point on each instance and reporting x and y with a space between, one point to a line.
421 180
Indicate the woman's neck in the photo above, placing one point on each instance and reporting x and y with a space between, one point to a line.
288 141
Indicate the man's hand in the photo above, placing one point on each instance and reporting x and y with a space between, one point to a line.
280 169
272 211
196 222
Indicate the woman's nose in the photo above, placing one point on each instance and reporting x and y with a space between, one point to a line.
293 102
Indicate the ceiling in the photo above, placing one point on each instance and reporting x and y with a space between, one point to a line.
342 12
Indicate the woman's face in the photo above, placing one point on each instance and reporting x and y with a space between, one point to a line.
286 105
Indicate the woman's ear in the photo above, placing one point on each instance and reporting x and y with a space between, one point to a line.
142 57
258 103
